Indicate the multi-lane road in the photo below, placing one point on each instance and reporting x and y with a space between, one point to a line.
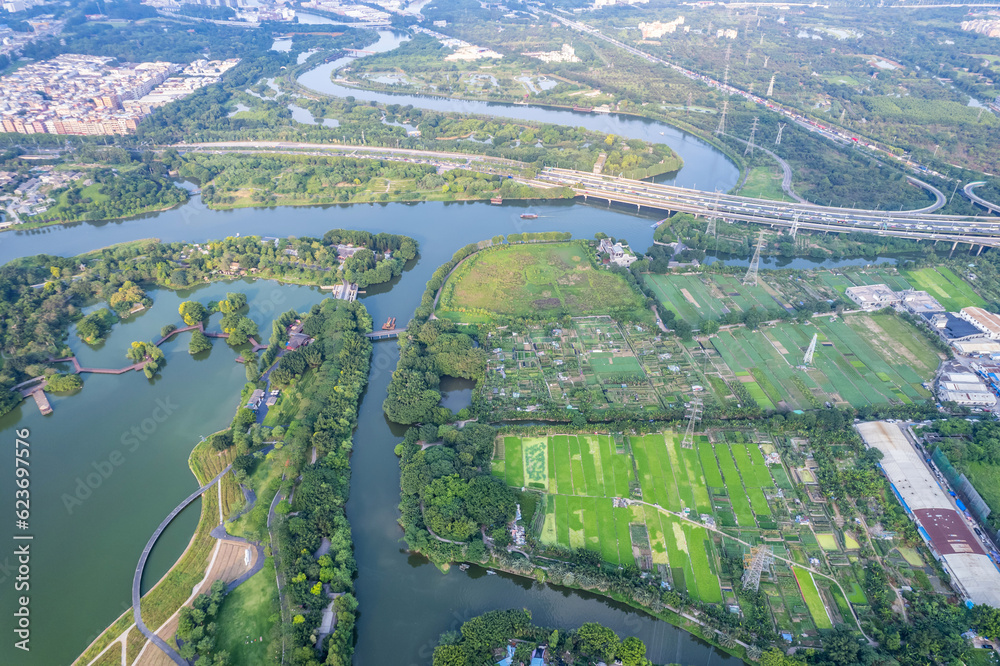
922 224
917 224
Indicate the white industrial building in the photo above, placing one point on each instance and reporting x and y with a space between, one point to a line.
965 388
987 322
873 296
947 531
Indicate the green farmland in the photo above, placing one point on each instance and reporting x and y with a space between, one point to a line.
860 359
696 298
685 515
582 475
813 601
950 290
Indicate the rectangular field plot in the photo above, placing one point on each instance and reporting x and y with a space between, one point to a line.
536 462
949 289
513 461
810 593
859 360
696 298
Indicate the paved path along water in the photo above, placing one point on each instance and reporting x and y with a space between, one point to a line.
137 578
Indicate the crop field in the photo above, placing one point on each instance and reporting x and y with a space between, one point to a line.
859 360
696 298
585 473
649 501
949 289
810 593
535 280
878 275
827 541
630 367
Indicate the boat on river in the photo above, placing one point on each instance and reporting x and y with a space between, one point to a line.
389 324
584 109
656 224
528 216
496 201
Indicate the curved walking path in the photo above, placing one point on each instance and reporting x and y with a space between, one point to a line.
200 326
137 578
218 532
974 198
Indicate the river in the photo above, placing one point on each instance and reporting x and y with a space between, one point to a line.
91 518
704 165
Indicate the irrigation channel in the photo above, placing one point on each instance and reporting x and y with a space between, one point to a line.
91 518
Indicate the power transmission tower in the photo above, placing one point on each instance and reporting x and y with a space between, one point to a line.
721 129
694 415
781 128
755 562
725 73
753 133
770 86
766 58
751 87
812 350
751 277
711 230
795 226
748 59
843 112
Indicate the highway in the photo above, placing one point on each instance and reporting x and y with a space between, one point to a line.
988 205
919 224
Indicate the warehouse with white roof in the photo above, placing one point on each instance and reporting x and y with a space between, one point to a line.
941 524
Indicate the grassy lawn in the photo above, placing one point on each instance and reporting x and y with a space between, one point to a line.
811 596
251 610
533 280
764 182
950 290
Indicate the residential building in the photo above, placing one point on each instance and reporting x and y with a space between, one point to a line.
614 253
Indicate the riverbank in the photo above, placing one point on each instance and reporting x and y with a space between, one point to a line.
162 602
27 226
351 84
170 592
